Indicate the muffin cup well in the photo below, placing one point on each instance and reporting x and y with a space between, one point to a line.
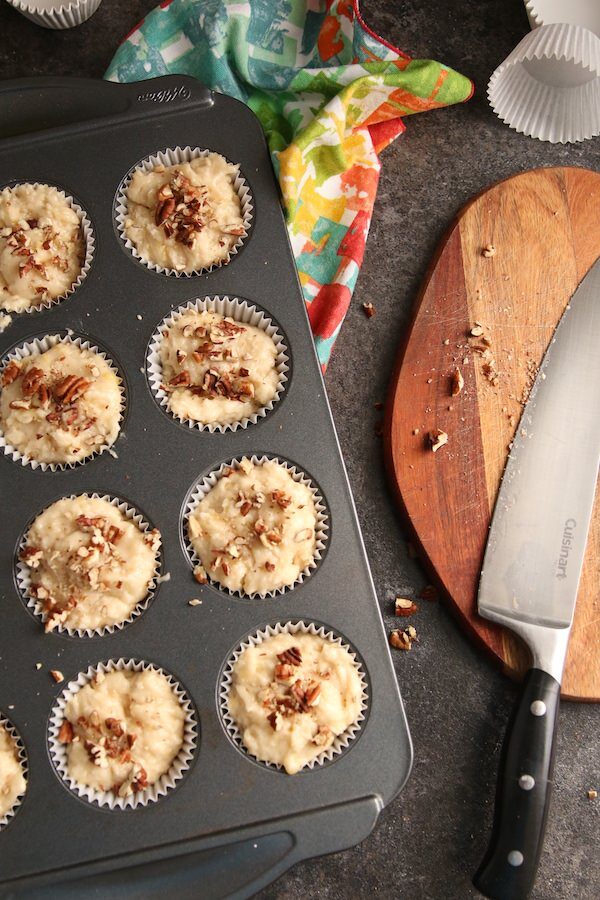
173 156
153 792
241 311
342 741
22 758
89 240
23 574
202 488
40 345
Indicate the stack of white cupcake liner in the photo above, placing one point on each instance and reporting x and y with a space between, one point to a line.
549 86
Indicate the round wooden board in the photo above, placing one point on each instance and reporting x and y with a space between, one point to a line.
545 227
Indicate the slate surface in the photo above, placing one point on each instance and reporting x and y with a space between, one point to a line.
430 840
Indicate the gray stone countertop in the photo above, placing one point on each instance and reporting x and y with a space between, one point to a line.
429 841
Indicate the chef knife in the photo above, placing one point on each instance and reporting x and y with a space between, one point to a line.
530 575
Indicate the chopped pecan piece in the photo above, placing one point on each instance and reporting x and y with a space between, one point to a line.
437 439
65 732
457 383
369 310
70 388
281 499
200 575
403 607
31 381
181 380
292 656
283 671
164 209
10 373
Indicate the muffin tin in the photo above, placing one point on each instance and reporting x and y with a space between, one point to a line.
230 825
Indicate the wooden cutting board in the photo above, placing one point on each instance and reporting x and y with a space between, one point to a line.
544 226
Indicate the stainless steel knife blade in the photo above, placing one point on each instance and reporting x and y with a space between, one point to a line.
531 573
539 528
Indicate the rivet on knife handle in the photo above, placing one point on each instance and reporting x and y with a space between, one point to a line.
508 869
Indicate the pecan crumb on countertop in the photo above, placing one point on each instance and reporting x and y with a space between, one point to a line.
592 794
404 607
368 309
403 639
57 675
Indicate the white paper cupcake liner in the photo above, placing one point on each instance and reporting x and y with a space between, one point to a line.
241 311
53 14
22 758
342 741
549 86
572 12
40 345
153 792
23 574
321 529
173 156
87 233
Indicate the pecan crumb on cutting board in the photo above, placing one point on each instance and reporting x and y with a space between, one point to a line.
457 382
437 438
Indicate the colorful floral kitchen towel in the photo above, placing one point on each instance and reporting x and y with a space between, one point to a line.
330 95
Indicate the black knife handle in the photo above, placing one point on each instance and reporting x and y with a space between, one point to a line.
509 866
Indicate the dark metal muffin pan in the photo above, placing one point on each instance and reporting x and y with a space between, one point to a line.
231 826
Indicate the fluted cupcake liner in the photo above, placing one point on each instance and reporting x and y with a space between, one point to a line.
22 758
40 345
173 156
203 487
571 12
241 311
89 241
56 15
341 741
23 574
549 86
153 792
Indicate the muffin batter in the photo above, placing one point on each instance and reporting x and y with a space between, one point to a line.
60 406
41 246
12 780
185 217
216 370
291 695
122 731
254 531
89 564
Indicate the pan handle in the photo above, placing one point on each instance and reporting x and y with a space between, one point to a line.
39 103
509 866
212 868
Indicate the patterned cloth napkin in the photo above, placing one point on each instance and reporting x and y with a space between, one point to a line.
330 95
